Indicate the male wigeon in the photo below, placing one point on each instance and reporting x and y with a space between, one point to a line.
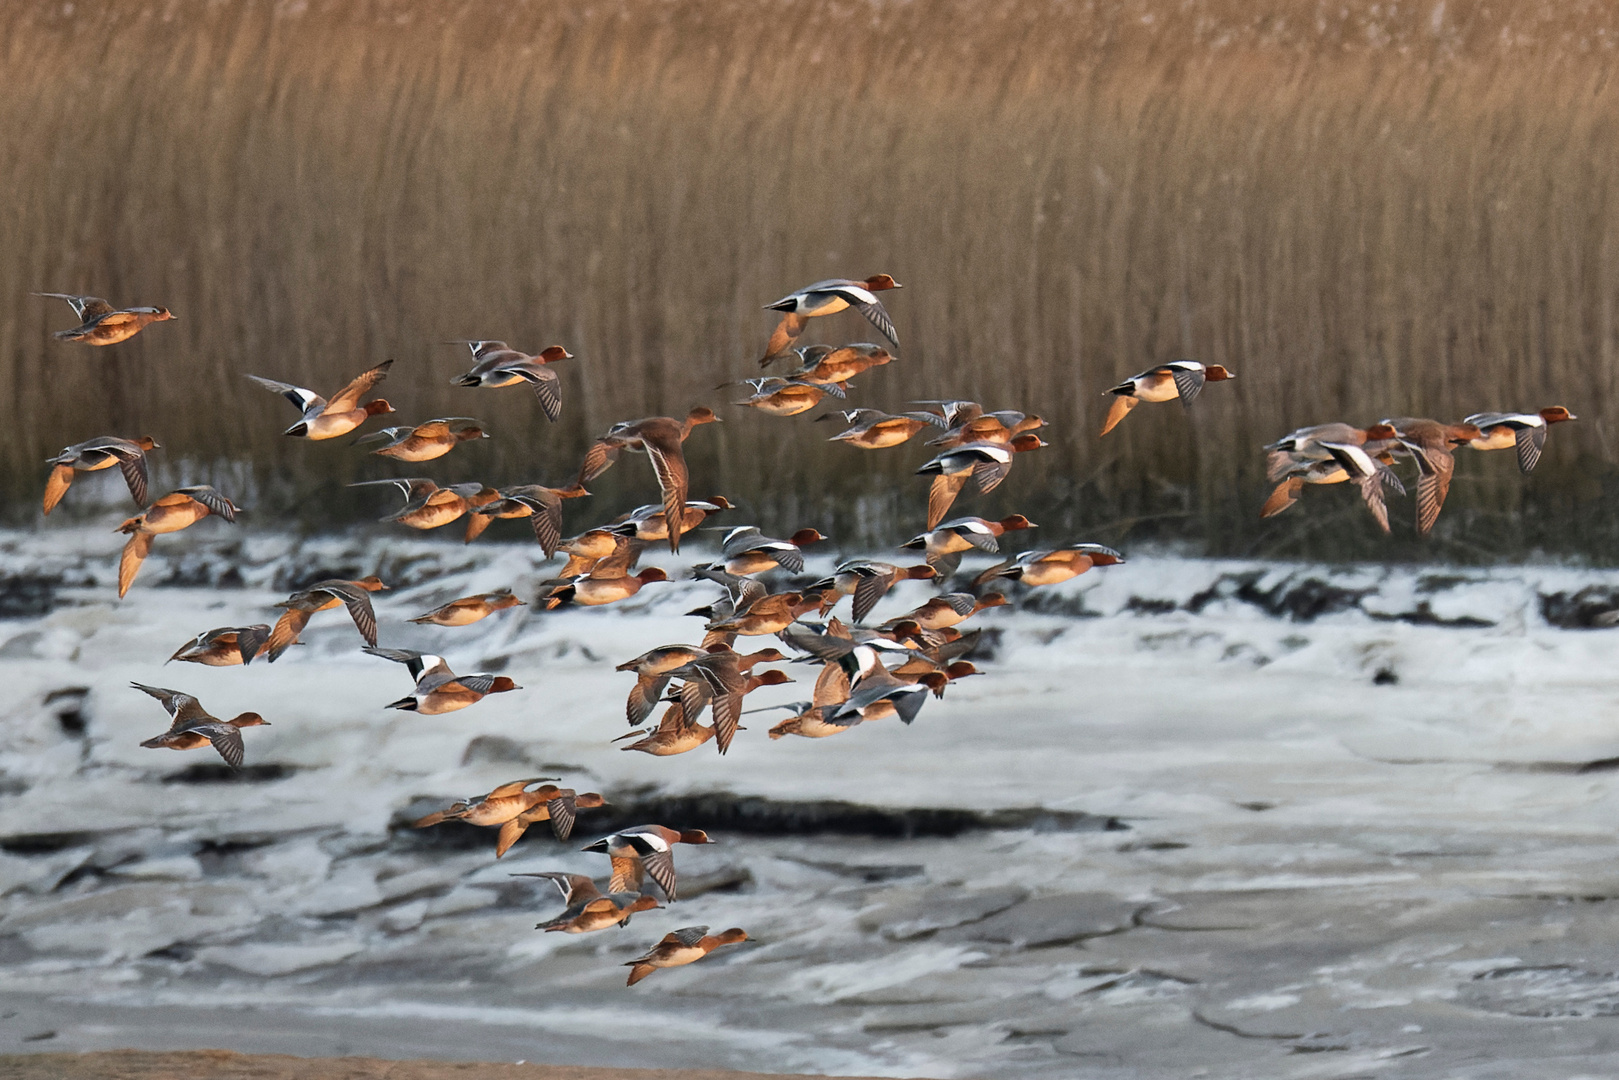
1001 426
986 463
497 364
438 689
103 324
593 590
1525 431
680 947
867 581
1181 379
324 419
588 909
660 439
645 849
177 510
745 550
828 298
469 609
945 542
193 727
1286 455
1052 566
425 441
323 596
651 522
92 455
226 646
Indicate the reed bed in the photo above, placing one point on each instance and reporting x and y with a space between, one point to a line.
1363 209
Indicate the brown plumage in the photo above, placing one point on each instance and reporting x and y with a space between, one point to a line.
177 510
323 596
100 453
660 438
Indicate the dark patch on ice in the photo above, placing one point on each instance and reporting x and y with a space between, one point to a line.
1565 768
1385 677
867 872
1549 991
1052 603
1142 605
498 749
205 570
1595 607
1432 583
988 645
1424 616
44 843
722 812
1300 601
12 785
220 858
207 772
69 701
1152 845
178 952
27 596
1257 807
1232 1029
39 1036
494 663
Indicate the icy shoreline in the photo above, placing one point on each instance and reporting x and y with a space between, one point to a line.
1355 801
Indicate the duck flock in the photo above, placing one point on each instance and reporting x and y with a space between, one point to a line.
866 672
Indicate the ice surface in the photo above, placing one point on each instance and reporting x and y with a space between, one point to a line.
1368 828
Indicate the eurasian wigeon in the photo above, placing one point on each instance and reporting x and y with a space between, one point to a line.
660 438
103 324
99 453
1181 379
324 419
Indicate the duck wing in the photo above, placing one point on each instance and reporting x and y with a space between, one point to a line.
562 810
226 738
628 875
547 387
873 310
129 562
942 496
349 397
181 707
1531 441
133 466
871 587
87 308
306 400
1188 382
660 866
358 602
1432 487
669 462
211 498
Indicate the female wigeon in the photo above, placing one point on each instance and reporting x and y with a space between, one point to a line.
986 463
593 545
497 364
675 734
1286 455
720 679
541 505
426 441
1182 379
828 298
1430 444
428 506
103 324
324 419
824 365
438 689
945 543
651 522
660 439
193 727
873 429
177 510
999 427
595 591
1525 431
1348 462
685 946
652 670
645 849
867 581
469 609
746 550
1052 567
587 908
226 646
787 397
514 807
100 453
323 596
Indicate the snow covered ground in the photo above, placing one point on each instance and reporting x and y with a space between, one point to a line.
1221 819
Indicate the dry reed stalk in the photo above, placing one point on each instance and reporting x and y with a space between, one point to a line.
1362 212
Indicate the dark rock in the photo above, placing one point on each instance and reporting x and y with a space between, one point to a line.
27 596
1145 606
209 772
1424 616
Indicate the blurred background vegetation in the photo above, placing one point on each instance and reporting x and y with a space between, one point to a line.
1364 209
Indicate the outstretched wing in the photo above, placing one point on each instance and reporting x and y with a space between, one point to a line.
182 707
349 397
212 499
226 738
598 459
942 496
358 602
562 810
547 387
660 866
135 475
304 399
627 875
874 311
